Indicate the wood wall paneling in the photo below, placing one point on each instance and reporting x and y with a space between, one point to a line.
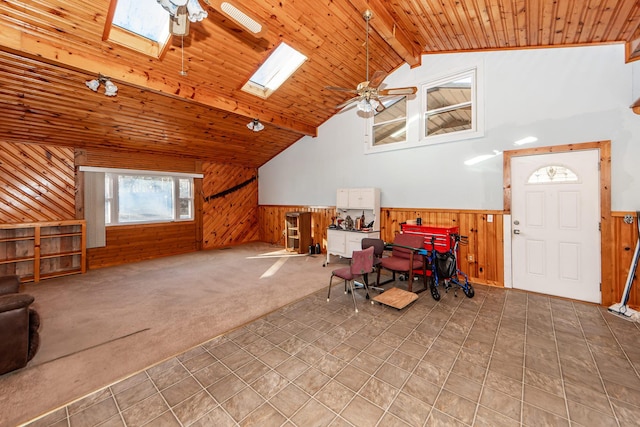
230 205
36 183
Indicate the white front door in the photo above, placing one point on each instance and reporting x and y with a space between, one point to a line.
555 206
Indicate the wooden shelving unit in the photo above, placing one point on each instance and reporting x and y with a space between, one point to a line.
40 250
297 231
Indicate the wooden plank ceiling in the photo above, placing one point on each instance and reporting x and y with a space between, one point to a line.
49 48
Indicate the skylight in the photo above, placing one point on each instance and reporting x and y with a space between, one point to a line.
143 17
142 25
280 65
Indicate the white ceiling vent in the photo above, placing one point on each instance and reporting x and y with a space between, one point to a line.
241 18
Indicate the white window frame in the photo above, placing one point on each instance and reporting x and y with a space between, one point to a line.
115 208
477 113
370 147
113 196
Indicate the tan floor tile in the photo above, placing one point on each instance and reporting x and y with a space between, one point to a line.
269 384
243 403
313 414
292 368
165 420
89 401
211 374
265 416
94 414
226 387
311 381
217 417
379 392
441 419
586 416
456 406
335 396
198 362
170 377
421 389
145 411
252 370
181 391
289 400
510 406
487 418
392 375
549 402
409 409
360 412
463 386
534 416
352 377
550 384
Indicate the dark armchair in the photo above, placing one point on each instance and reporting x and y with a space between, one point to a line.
19 339
404 258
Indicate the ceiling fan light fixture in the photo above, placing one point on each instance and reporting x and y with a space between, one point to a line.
255 125
368 105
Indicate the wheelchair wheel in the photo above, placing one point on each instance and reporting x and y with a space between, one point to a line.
468 291
434 290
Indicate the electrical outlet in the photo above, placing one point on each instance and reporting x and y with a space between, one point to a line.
489 218
470 257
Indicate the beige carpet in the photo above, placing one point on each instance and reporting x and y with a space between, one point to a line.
105 325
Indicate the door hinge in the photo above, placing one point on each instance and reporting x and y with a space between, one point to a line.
599 226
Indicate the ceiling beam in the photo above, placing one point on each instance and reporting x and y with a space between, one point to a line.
384 24
41 48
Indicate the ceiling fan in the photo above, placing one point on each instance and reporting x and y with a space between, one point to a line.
367 92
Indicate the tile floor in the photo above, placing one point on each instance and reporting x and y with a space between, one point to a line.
502 358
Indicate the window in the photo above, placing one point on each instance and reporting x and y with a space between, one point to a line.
450 108
142 25
280 65
553 173
390 124
137 198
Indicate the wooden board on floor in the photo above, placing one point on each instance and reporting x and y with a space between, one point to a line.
396 298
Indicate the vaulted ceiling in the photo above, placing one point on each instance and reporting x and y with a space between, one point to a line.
49 48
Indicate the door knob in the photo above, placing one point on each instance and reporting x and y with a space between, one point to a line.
516 231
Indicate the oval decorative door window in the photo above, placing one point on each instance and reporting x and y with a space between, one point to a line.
552 173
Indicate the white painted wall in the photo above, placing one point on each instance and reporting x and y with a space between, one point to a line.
561 96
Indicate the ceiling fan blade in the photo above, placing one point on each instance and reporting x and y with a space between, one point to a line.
344 104
340 89
377 78
398 91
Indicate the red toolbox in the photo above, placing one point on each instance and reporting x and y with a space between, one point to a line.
442 235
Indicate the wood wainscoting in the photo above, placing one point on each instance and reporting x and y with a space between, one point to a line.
482 259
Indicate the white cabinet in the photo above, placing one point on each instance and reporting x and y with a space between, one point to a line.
363 198
342 198
353 202
343 243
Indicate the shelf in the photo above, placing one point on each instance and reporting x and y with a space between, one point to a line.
56 236
20 259
60 254
16 239
40 250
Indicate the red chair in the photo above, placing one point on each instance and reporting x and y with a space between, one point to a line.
361 265
404 258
